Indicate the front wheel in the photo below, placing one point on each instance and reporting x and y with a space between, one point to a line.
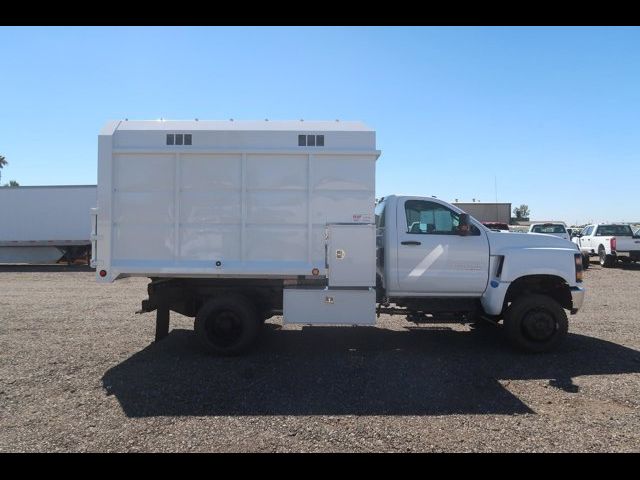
535 323
585 262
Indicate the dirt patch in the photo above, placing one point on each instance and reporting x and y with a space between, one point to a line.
79 372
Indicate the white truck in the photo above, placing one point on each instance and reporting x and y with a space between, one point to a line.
43 224
557 229
235 222
611 242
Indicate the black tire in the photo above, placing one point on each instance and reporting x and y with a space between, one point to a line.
535 323
227 325
606 261
586 262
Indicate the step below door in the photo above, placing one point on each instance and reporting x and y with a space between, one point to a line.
330 306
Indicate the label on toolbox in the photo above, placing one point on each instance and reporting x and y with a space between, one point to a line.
362 218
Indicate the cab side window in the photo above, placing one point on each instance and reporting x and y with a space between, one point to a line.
424 217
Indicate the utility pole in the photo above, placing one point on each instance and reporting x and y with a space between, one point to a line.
495 186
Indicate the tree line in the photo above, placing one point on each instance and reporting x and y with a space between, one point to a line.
12 183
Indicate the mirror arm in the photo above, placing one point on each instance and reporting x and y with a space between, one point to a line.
464 228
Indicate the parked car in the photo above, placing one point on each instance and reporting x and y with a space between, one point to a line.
611 242
557 229
496 226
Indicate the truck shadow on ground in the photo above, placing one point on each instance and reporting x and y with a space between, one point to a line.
352 371
630 266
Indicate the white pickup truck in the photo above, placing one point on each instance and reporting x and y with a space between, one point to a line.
235 222
611 242
557 229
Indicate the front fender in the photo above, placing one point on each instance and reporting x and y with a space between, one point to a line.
493 298
520 262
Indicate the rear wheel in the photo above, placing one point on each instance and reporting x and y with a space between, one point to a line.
606 261
227 325
535 323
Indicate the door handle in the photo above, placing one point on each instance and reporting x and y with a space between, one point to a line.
411 242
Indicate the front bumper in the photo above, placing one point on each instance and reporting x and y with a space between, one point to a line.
577 298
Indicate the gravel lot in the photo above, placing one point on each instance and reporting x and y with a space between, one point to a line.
79 372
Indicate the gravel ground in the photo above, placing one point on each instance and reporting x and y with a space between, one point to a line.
79 372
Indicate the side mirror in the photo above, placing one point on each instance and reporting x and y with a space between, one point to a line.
464 226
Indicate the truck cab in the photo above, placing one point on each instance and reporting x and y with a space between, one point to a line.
432 257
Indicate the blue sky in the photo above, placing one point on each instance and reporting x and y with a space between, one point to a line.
552 114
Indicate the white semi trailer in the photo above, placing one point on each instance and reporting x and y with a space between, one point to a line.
43 224
235 222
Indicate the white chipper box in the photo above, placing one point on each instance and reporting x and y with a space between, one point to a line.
230 198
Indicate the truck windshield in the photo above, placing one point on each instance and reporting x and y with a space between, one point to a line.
555 228
611 230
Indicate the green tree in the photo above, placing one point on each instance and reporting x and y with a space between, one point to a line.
522 211
12 183
3 162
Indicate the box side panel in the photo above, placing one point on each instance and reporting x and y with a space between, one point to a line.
143 212
225 214
343 189
276 209
210 209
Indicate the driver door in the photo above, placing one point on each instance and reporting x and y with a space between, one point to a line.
433 258
585 240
